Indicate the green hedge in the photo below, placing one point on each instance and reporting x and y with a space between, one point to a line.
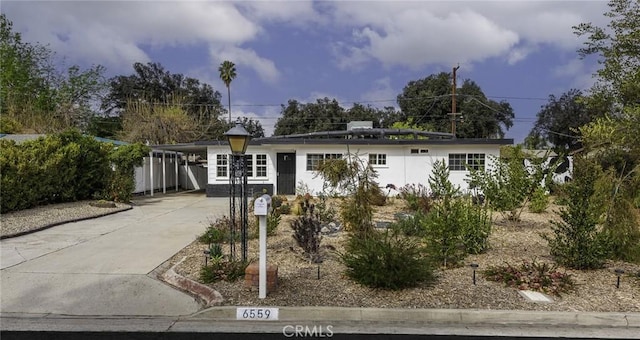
58 168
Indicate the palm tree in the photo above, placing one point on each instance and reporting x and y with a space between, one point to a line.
227 74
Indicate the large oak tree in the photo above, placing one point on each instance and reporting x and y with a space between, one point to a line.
427 103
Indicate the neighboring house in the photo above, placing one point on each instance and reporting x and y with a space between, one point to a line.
280 164
563 165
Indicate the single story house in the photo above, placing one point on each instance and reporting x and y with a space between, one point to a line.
280 164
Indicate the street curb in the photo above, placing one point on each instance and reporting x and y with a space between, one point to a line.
205 294
440 316
3 237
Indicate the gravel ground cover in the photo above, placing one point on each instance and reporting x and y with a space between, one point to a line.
18 222
299 285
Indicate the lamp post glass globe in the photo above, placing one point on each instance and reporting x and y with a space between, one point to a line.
238 139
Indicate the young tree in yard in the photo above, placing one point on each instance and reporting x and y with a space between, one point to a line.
509 185
614 139
577 242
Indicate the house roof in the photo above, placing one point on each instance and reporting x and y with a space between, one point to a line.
347 137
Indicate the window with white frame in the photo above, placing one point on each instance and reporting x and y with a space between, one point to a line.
475 161
377 159
261 165
314 159
249 159
221 166
460 161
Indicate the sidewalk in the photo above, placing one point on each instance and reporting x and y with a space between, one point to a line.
372 321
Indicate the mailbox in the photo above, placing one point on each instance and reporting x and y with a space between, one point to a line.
262 205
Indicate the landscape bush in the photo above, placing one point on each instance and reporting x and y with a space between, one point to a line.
356 178
538 276
417 196
306 232
508 186
219 269
387 260
577 241
65 167
216 232
476 226
273 220
539 201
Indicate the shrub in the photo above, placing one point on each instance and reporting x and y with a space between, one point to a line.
357 178
412 225
538 276
217 232
476 226
510 184
325 210
539 201
273 220
417 197
221 270
387 260
276 202
444 224
285 209
306 232
577 242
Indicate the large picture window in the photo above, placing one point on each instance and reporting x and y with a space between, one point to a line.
314 159
460 161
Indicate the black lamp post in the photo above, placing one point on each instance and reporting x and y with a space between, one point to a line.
238 139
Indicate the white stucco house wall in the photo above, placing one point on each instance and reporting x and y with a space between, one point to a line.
280 164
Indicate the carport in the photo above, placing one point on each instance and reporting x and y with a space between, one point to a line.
194 156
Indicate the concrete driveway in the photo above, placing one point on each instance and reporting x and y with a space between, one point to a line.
100 266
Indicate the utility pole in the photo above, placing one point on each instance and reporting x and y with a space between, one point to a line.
453 102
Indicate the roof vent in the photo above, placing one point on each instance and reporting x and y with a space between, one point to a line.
359 124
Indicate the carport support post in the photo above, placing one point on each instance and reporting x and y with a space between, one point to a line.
164 172
151 171
177 177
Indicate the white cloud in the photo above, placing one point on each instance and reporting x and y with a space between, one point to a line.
419 33
113 32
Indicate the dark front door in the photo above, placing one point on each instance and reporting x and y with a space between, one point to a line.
286 173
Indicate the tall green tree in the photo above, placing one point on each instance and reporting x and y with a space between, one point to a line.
35 94
428 102
617 47
558 121
323 115
614 139
328 115
227 74
159 89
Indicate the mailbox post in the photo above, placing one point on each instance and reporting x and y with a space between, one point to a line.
261 208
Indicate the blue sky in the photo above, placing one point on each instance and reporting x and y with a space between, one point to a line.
354 51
